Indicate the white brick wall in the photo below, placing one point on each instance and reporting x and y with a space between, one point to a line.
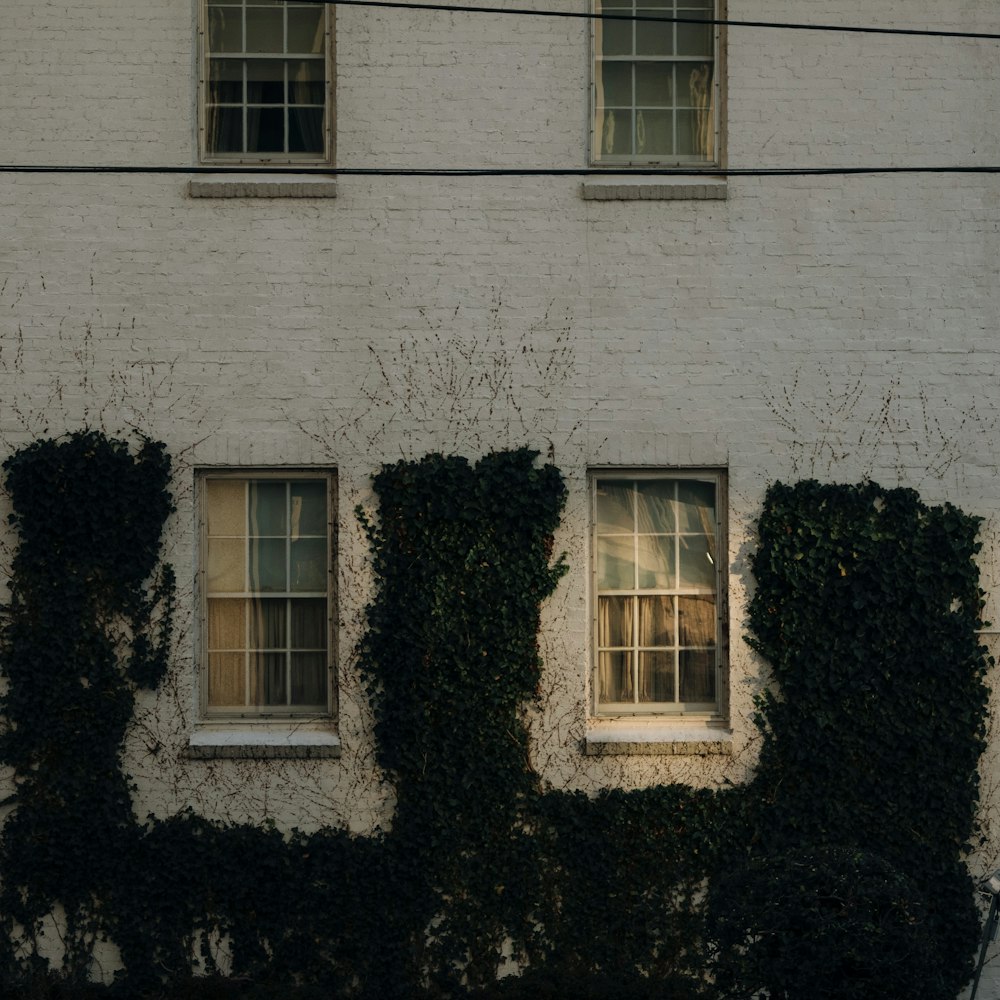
825 326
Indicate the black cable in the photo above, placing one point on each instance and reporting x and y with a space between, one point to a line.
590 16
695 172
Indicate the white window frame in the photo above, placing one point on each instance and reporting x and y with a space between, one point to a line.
266 713
706 711
597 158
250 159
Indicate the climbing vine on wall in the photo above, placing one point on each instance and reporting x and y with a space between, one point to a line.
837 871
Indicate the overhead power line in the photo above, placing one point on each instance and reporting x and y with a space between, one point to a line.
634 172
729 23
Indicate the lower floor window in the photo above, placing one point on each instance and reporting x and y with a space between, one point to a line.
266 571
658 586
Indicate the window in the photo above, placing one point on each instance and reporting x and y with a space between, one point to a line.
655 91
266 572
266 80
658 585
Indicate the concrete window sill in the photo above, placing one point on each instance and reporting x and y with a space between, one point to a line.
263 741
652 188
693 738
261 186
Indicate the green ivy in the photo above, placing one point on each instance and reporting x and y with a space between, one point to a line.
836 872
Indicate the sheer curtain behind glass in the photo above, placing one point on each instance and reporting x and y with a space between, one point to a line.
266 591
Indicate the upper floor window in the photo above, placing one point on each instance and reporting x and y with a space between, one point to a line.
655 83
266 593
266 81
658 592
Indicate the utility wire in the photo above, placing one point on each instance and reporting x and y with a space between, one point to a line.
255 171
591 16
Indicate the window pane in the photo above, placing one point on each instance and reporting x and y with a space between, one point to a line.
694 136
656 562
654 84
305 29
615 511
225 500
226 569
265 81
308 624
614 621
654 38
308 564
308 679
617 36
268 673
267 565
654 132
656 621
264 30
617 81
696 508
694 39
697 561
226 680
696 620
225 29
615 562
267 509
305 130
265 130
227 623
697 675
615 677
269 621
656 677
655 503
694 84
615 133
225 130
225 81
307 82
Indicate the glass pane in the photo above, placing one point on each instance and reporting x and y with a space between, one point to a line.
697 561
694 134
614 136
264 30
694 39
305 130
225 29
656 677
268 620
615 506
268 673
656 621
226 510
694 84
654 85
655 504
226 569
653 38
225 130
656 562
616 79
265 130
696 506
308 624
225 81
614 621
614 677
308 679
697 675
616 36
265 81
696 620
267 565
615 562
654 133
307 82
305 29
226 680
267 509
227 623
309 564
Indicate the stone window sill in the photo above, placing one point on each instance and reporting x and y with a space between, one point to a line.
693 738
264 741
653 188
262 186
